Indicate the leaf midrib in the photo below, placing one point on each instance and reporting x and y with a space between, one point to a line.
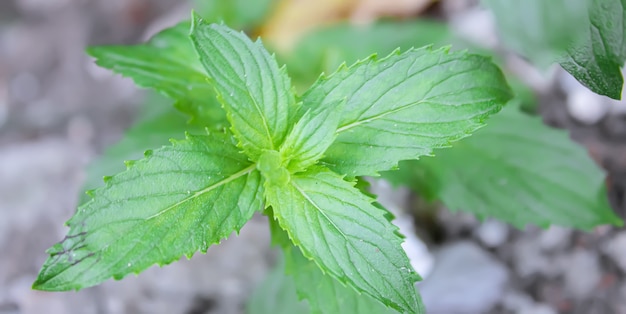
378 116
348 242
196 194
248 93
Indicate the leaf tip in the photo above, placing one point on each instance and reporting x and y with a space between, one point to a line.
195 18
39 284
617 222
106 179
43 283
148 153
92 51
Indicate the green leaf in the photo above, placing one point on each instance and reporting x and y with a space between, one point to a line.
403 106
277 295
539 29
596 62
518 170
178 200
254 90
167 64
238 14
337 226
158 124
324 49
327 295
312 135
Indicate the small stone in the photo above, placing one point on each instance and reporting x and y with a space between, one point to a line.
622 297
457 222
492 233
529 259
582 273
540 80
394 200
32 302
538 309
24 87
586 107
614 126
476 25
417 251
554 238
40 6
465 279
616 250
516 301
80 130
4 101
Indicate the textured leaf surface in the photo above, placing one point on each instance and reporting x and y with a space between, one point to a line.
539 29
337 226
169 65
159 124
254 90
178 200
325 294
518 170
596 62
403 106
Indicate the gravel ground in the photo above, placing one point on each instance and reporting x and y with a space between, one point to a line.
58 111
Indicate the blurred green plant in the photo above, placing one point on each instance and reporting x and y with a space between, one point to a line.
238 14
587 37
325 49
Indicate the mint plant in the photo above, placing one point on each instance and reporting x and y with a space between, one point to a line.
294 158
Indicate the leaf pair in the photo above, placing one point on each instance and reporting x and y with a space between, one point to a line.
289 153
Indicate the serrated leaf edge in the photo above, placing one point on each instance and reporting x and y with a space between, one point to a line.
479 120
39 284
414 277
